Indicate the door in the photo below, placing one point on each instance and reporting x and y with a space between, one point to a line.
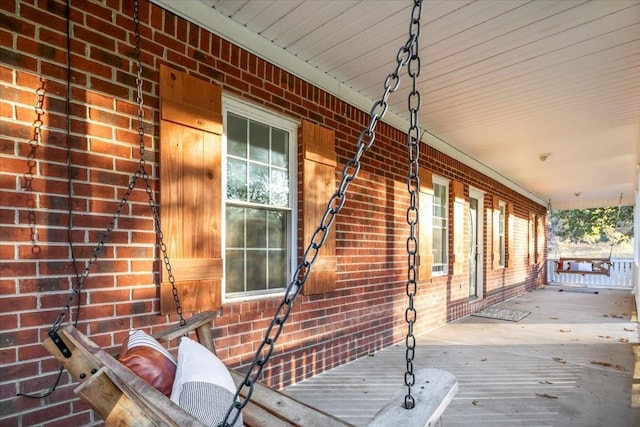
475 243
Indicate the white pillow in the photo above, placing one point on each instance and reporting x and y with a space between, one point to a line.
585 266
203 385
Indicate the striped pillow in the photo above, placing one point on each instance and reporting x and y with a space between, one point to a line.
149 360
203 386
207 402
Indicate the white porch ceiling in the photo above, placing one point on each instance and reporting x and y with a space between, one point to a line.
502 82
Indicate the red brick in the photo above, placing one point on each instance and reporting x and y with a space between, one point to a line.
106 87
40 50
10 338
90 66
17 26
109 325
39 416
17 268
169 42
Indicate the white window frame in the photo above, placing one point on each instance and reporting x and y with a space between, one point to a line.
437 180
260 114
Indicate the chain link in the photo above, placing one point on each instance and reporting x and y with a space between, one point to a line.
406 54
140 173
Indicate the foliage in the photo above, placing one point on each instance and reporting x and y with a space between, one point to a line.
596 226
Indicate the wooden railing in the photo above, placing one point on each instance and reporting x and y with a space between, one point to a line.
620 277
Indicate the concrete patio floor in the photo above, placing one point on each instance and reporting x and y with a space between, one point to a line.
568 363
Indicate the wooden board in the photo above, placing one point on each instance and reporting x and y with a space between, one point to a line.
433 391
190 190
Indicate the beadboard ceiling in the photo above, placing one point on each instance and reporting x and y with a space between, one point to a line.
502 82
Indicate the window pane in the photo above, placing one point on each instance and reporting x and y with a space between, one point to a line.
279 188
234 271
278 269
236 179
259 142
256 228
277 229
256 270
258 183
279 148
235 227
236 136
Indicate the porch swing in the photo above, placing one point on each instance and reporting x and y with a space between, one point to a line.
120 397
588 265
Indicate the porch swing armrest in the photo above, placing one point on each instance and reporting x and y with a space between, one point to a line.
113 391
201 323
97 393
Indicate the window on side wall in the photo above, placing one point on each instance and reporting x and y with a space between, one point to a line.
501 233
259 206
440 240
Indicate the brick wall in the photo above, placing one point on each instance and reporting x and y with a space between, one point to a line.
41 212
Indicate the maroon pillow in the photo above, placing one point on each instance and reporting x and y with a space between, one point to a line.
149 360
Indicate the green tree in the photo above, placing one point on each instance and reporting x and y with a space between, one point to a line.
611 225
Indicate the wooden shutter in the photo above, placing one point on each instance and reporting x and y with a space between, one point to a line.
495 234
458 227
319 184
510 250
425 226
190 190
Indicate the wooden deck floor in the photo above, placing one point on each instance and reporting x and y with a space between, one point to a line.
569 363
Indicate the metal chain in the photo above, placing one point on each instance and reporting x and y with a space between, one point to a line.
413 187
27 185
406 54
140 173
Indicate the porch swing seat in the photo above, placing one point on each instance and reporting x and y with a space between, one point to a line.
121 398
601 266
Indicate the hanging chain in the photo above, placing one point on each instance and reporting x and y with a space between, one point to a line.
143 172
413 187
32 165
140 173
406 54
